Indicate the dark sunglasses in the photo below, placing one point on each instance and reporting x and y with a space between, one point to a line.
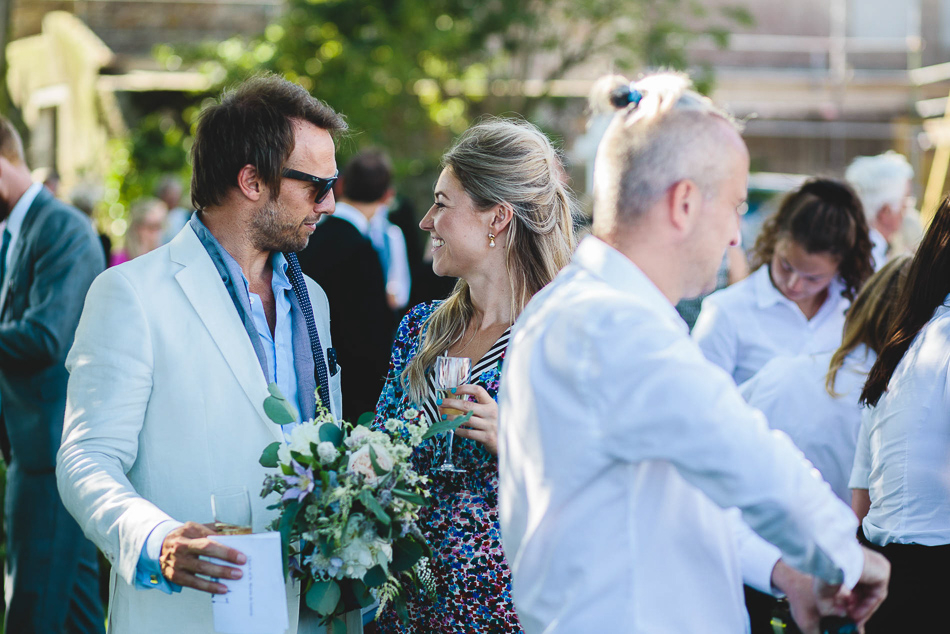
324 185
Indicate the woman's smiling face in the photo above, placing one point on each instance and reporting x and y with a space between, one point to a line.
459 231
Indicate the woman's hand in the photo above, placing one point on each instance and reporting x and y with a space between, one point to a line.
483 425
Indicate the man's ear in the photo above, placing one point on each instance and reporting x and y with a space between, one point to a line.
684 203
250 183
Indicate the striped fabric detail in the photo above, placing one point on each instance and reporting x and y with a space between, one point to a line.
485 363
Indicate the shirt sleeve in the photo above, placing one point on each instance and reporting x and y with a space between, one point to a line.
757 557
861 470
148 573
399 282
716 335
665 402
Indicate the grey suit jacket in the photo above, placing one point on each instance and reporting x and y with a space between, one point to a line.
54 260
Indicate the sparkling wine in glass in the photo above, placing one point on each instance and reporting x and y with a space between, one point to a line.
451 372
232 510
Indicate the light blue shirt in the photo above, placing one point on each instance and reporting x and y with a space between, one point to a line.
279 352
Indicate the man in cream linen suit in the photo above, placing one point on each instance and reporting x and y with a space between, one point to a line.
175 349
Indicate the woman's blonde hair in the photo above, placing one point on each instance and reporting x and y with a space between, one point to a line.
512 163
870 315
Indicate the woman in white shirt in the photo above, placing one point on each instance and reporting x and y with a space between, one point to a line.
901 475
811 258
814 397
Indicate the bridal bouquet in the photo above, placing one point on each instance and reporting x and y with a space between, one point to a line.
349 506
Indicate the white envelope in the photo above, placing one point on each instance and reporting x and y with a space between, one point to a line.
257 602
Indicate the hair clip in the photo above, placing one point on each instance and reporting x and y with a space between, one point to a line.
623 96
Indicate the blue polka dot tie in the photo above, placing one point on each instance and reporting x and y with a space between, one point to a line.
303 298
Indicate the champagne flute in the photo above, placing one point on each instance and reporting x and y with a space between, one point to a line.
451 372
232 510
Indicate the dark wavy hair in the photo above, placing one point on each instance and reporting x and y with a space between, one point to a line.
822 216
928 284
252 124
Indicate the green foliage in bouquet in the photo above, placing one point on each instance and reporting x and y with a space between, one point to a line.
349 506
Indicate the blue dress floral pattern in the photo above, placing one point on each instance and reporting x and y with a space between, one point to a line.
472 580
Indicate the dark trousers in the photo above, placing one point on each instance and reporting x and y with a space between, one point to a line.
918 590
52 583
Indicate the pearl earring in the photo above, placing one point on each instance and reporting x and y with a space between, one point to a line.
491 239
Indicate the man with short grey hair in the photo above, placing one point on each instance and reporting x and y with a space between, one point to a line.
625 457
883 184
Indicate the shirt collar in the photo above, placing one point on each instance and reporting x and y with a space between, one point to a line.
18 213
352 215
767 295
620 273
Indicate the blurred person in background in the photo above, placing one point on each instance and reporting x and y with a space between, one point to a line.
84 197
810 260
901 474
169 190
49 256
146 223
883 183
387 238
814 397
341 258
502 223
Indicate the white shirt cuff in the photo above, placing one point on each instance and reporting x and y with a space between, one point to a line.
153 544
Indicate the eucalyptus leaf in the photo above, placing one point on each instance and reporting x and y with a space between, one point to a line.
372 458
365 419
406 552
269 456
275 391
331 433
366 497
410 497
361 593
399 603
302 459
279 410
375 577
287 520
323 597
446 425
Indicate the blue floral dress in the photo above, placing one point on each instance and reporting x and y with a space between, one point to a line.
472 580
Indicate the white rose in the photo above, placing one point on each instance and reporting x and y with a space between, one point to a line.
327 452
358 432
300 439
283 453
360 462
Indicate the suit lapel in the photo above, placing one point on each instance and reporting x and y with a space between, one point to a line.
203 287
16 257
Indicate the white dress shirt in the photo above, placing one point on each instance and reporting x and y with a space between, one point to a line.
879 248
903 453
620 446
744 326
791 392
387 238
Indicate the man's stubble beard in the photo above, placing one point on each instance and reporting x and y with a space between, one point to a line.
270 233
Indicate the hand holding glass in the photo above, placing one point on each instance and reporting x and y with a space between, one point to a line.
451 372
232 510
